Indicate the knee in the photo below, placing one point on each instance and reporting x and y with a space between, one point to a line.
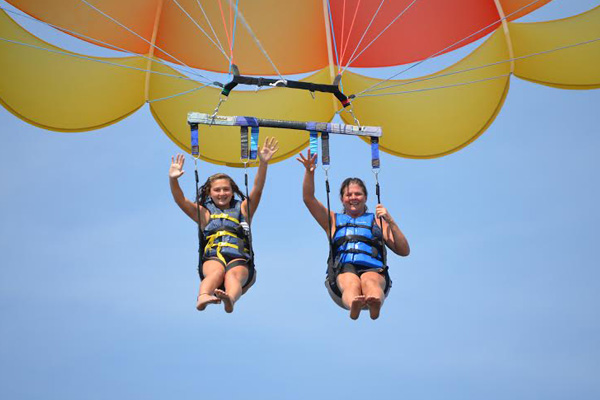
214 274
236 275
350 286
370 283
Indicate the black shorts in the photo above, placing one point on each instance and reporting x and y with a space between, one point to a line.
358 269
231 263
334 290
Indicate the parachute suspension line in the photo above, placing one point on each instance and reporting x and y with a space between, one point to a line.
342 32
354 58
350 31
364 34
370 88
185 78
238 79
375 165
260 46
211 26
136 34
237 3
196 155
177 94
225 27
337 60
201 29
408 82
438 87
112 46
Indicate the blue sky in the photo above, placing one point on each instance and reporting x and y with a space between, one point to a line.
498 299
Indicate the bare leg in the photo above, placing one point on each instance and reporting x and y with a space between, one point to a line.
352 296
235 278
214 273
372 284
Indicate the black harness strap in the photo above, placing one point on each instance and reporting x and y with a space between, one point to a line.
311 87
357 239
200 233
376 164
229 229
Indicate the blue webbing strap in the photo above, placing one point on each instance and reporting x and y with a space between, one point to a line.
314 145
253 142
314 139
375 163
325 148
194 140
244 141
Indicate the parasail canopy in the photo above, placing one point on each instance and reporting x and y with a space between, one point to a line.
170 43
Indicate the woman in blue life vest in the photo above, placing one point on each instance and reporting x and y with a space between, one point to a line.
357 274
227 270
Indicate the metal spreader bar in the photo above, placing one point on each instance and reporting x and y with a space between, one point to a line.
324 127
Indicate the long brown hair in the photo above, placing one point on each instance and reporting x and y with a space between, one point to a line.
204 191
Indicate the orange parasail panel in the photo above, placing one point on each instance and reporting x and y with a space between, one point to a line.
420 30
293 33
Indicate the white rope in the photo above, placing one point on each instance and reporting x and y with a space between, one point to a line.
446 48
251 32
156 60
210 25
474 68
437 87
96 60
201 29
485 66
352 59
133 32
177 94
365 32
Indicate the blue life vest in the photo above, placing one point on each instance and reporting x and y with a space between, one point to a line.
357 241
224 234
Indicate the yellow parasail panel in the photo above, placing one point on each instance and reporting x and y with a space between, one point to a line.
60 92
421 123
570 68
221 145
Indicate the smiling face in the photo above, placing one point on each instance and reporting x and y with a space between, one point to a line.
221 192
354 200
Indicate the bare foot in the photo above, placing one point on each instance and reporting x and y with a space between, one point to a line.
374 304
226 300
205 299
357 304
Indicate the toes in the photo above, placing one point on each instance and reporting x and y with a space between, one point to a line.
374 304
226 300
356 306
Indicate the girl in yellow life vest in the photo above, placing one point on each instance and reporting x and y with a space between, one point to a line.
227 270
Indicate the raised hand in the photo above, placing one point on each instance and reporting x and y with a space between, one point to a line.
268 149
309 162
176 169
